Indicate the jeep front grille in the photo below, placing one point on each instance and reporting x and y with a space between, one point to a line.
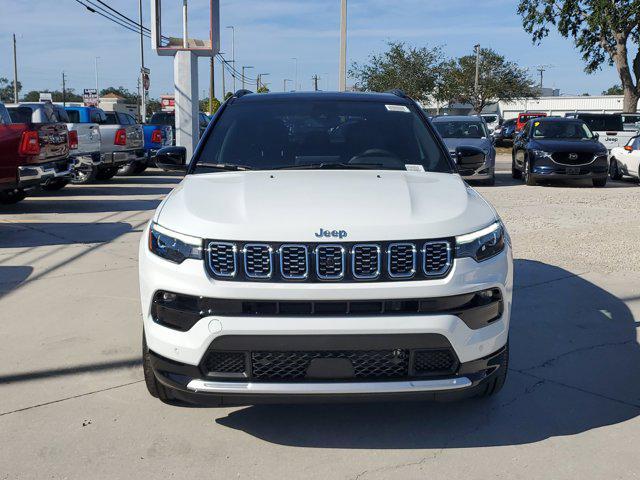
330 262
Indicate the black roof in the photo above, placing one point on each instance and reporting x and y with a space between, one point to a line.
457 118
328 96
555 119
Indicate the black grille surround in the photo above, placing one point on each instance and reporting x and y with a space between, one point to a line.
348 262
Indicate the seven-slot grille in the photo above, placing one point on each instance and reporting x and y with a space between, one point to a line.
384 261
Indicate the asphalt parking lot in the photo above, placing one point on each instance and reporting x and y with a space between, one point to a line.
73 403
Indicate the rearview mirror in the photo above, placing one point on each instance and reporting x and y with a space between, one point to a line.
469 159
173 159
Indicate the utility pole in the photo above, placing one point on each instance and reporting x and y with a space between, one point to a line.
143 97
244 67
224 88
343 47
64 90
295 84
541 69
233 53
15 71
315 79
284 88
212 89
139 98
259 80
477 81
97 91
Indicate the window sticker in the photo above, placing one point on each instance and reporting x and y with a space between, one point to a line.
398 108
414 168
536 124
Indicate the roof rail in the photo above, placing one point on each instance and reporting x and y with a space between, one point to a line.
397 92
241 93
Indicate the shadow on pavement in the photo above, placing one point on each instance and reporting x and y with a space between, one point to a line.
18 235
12 276
62 205
575 367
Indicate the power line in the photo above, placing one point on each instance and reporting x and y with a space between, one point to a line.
114 20
131 26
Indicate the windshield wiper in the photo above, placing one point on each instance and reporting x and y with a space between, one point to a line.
333 166
225 166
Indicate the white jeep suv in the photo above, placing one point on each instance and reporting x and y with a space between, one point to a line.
323 246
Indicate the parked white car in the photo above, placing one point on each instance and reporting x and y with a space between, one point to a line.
324 245
626 160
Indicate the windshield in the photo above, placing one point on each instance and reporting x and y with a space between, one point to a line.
310 133
461 129
561 130
601 123
490 118
163 119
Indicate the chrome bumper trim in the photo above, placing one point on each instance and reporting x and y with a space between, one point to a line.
206 386
36 172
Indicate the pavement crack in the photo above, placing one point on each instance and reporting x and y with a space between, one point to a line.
43 404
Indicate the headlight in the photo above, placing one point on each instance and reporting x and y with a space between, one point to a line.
541 154
482 244
173 246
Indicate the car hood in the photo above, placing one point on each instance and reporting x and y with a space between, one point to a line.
294 205
575 146
453 143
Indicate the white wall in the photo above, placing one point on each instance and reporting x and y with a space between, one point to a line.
558 106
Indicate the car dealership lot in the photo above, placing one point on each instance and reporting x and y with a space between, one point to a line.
73 403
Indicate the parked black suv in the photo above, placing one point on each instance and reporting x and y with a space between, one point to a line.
558 148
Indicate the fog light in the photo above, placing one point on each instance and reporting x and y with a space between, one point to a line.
169 297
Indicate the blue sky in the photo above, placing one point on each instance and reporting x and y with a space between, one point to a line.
61 35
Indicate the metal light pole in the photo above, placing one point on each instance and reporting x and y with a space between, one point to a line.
233 53
212 88
343 48
185 34
15 71
477 81
295 84
97 91
284 88
244 67
143 96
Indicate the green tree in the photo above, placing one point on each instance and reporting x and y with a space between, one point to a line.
613 90
6 90
414 70
121 91
600 29
228 95
56 95
153 106
499 79
262 89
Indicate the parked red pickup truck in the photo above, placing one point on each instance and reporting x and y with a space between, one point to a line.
31 155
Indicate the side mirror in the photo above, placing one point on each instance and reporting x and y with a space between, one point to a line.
172 159
596 135
469 159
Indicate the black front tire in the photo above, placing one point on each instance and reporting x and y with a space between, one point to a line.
614 170
515 173
10 197
154 387
56 184
496 383
106 173
528 178
599 182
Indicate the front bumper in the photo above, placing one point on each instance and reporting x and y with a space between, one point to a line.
544 168
179 354
30 176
